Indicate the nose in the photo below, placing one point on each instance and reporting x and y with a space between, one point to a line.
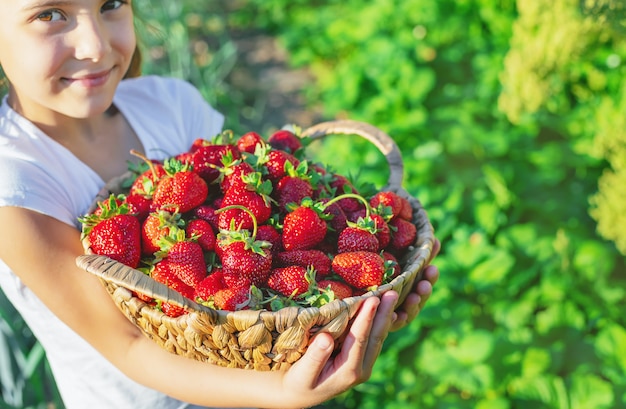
91 40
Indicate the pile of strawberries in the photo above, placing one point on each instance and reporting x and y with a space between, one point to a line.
251 223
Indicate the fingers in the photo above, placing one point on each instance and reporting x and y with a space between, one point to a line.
385 316
416 300
310 366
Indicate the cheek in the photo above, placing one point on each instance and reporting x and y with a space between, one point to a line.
124 42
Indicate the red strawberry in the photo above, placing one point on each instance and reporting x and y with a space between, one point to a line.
203 231
249 141
383 232
407 210
163 274
303 228
403 235
232 174
354 238
337 219
210 285
269 233
232 299
392 262
360 269
316 259
181 190
285 140
138 205
390 199
208 160
156 226
255 202
342 185
245 263
206 212
114 233
340 289
292 281
254 196
275 162
245 260
292 189
186 260
145 183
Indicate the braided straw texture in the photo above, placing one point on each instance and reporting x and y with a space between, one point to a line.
260 340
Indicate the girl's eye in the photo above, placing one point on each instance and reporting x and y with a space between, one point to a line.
112 5
50 15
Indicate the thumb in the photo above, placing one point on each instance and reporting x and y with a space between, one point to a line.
310 366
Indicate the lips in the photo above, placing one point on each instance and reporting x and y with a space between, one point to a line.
91 80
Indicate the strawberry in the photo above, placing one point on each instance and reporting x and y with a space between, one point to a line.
295 185
303 228
232 299
208 160
360 269
383 232
337 220
156 226
392 262
139 205
387 198
206 212
316 259
245 259
407 210
163 274
210 285
245 262
354 238
275 162
181 190
203 232
269 233
232 174
145 183
292 281
185 259
114 233
285 140
249 141
252 200
340 289
403 234
292 189
341 185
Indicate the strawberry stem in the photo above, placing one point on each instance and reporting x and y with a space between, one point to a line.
245 209
148 162
352 196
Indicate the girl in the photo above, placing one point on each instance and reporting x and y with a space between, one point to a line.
71 116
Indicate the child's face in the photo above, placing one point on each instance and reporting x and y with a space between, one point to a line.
64 56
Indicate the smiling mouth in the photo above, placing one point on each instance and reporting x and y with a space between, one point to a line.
90 80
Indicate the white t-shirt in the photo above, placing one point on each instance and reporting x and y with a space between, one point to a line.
38 173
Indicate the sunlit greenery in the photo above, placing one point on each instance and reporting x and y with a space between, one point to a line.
510 117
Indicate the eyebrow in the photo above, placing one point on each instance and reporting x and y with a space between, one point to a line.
45 4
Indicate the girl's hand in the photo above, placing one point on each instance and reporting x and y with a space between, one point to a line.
317 377
416 300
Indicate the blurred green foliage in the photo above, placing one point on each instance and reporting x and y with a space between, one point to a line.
510 117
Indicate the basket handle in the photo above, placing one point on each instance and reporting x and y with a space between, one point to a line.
383 142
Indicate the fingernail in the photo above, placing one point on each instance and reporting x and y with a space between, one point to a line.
323 342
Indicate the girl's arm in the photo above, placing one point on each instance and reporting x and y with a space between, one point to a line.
42 252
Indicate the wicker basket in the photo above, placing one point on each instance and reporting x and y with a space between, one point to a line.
260 340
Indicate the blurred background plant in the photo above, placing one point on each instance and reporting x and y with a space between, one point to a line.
510 117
